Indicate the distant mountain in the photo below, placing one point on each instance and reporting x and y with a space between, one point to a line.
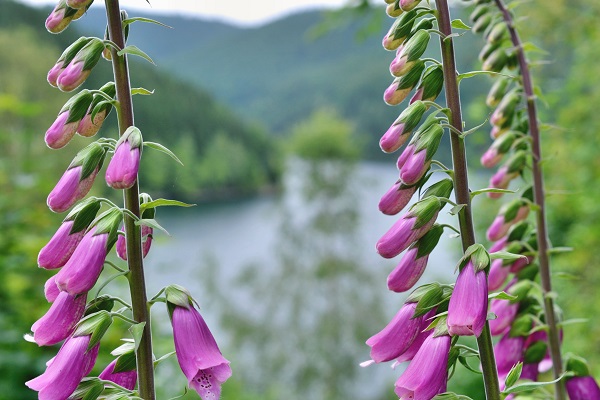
280 73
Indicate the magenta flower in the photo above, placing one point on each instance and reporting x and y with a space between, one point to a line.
73 361
411 227
505 314
583 388
498 274
412 164
51 291
60 248
413 349
396 198
69 189
127 379
407 272
80 67
54 73
60 17
397 336
501 180
81 272
426 374
61 131
402 86
468 306
198 354
123 167
408 5
491 158
146 242
509 214
508 352
60 320
521 263
89 128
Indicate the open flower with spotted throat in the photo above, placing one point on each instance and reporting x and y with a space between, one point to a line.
197 351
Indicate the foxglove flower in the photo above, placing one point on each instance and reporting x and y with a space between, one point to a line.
498 274
402 86
508 352
78 179
411 227
65 59
123 168
74 361
146 243
583 388
397 336
197 352
408 54
401 129
127 379
505 314
82 270
65 125
506 109
416 158
60 17
80 67
396 198
468 306
511 213
431 85
509 171
60 320
427 373
413 349
499 148
88 127
62 245
408 5
497 92
400 31
413 263
51 291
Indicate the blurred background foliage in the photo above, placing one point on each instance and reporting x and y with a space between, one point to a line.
307 86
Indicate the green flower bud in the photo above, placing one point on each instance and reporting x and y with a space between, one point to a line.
431 85
497 91
495 61
479 12
399 31
482 23
497 33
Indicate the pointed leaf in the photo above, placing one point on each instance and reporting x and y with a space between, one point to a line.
505 255
160 147
475 73
137 331
147 20
459 24
152 224
502 296
490 190
163 202
142 91
133 50
163 358
514 375
524 387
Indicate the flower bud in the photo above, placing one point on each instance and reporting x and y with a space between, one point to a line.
399 31
65 59
479 12
78 179
65 125
415 160
497 33
77 71
60 17
409 53
60 320
583 388
497 275
506 109
401 129
88 127
413 263
431 85
499 148
121 245
508 352
497 92
411 227
511 169
77 4
467 310
402 86
426 375
495 61
505 314
51 291
396 198
74 360
123 168
510 213
482 23
408 5
82 270
487 50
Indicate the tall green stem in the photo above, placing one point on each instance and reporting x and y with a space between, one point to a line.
461 185
137 283
539 199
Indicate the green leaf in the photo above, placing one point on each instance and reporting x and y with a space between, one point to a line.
475 73
133 50
524 387
573 321
474 129
505 255
464 362
528 46
137 331
163 358
502 296
453 35
147 20
161 148
558 250
458 24
456 209
490 190
142 91
152 224
163 202
514 374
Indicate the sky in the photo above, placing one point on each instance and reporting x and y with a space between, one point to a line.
240 12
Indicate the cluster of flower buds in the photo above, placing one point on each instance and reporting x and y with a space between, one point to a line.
65 12
75 64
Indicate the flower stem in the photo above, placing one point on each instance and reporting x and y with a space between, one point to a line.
137 284
539 199
461 185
